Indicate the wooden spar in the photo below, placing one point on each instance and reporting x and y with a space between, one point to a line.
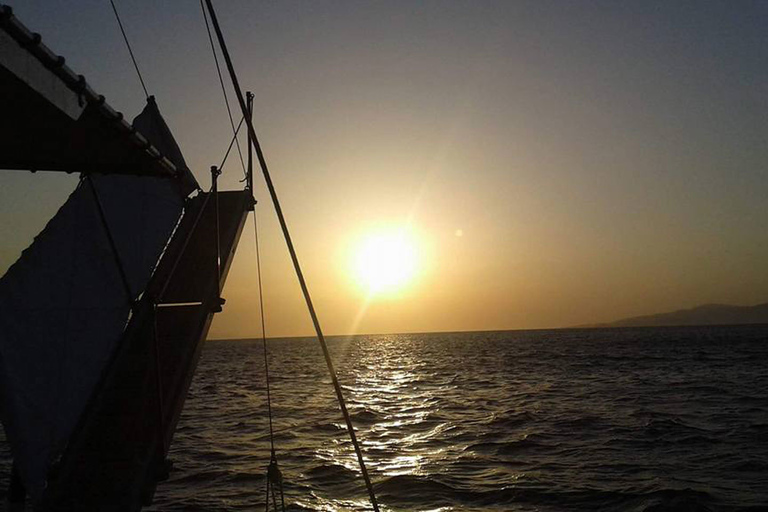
52 117
294 258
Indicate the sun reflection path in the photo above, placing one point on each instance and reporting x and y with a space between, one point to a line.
408 402
392 398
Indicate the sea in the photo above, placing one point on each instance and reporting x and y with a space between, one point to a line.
635 419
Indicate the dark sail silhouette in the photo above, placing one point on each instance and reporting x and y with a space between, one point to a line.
102 317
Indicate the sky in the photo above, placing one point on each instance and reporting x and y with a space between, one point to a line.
549 164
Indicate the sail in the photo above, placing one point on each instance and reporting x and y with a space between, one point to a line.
120 444
65 303
151 124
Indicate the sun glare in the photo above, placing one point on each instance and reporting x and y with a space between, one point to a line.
385 262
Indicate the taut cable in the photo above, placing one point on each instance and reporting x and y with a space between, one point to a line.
128 44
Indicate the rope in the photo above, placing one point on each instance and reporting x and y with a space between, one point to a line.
274 479
294 258
223 88
263 332
234 138
274 476
125 37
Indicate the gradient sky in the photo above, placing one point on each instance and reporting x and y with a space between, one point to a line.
601 159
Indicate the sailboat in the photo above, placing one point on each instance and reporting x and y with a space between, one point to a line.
103 317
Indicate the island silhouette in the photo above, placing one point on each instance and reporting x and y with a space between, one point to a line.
707 314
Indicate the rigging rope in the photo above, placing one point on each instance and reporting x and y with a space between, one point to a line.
223 89
263 332
125 37
229 148
274 477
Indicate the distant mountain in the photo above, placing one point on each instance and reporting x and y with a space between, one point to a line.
708 314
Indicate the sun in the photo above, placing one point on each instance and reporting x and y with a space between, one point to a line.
385 262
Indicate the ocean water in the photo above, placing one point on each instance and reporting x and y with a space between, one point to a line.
648 419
